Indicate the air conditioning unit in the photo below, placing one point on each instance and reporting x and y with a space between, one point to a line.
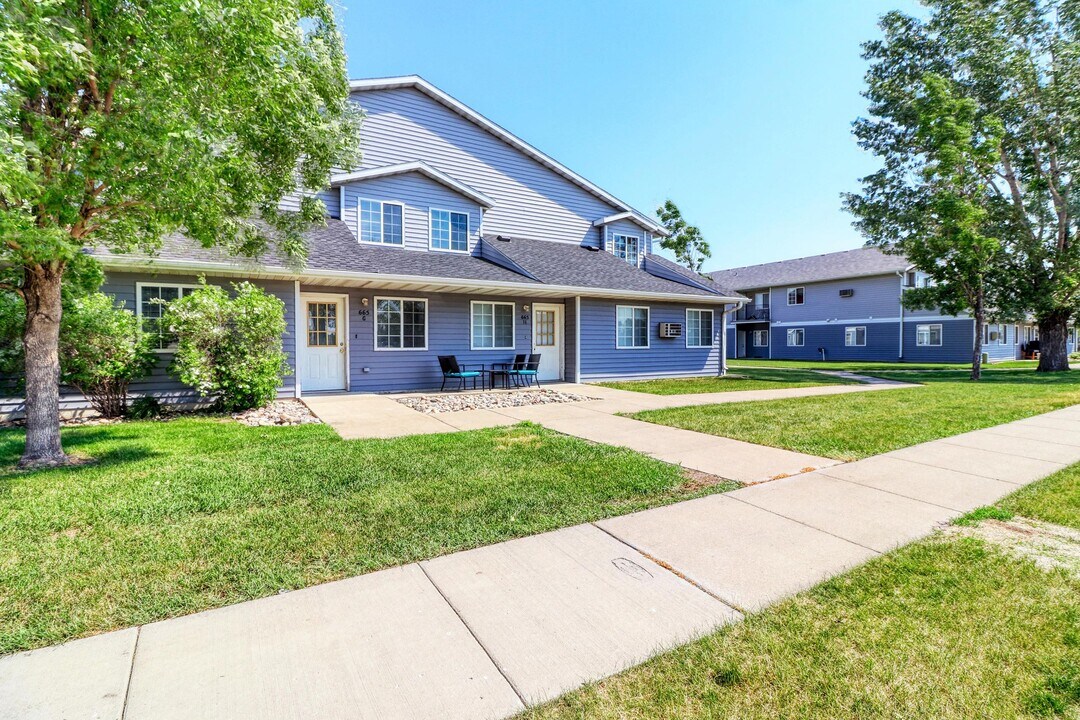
846 293
670 330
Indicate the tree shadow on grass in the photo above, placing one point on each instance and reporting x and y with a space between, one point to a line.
127 447
990 376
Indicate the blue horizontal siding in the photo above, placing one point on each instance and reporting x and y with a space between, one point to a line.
600 359
956 342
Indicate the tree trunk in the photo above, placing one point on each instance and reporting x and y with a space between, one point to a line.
41 291
1054 342
977 346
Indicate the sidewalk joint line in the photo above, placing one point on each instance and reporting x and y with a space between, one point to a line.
131 672
888 492
806 524
999 452
674 571
940 467
494 662
990 431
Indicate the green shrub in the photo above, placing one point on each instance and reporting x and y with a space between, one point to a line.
229 348
102 349
146 407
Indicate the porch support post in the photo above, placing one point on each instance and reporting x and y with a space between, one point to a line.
297 319
723 340
577 338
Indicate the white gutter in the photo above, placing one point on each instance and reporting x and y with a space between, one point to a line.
195 266
903 276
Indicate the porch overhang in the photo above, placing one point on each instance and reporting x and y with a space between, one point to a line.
384 281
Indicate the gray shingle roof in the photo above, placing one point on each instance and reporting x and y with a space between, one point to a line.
334 248
558 263
830 266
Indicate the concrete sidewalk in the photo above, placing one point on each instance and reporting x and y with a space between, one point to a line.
482 633
356 416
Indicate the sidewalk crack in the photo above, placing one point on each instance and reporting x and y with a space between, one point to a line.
131 672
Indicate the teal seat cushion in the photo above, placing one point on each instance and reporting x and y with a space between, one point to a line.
463 374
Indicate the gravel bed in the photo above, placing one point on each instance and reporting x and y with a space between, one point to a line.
279 412
432 404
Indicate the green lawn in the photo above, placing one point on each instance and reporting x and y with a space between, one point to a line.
869 367
947 628
857 425
740 379
195 513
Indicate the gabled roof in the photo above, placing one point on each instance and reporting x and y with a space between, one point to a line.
422 85
417 166
649 225
860 262
572 265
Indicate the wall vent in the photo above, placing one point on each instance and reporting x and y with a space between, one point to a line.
848 292
670 330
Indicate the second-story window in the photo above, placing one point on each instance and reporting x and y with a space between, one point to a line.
381 222
449 230
626 247
795 296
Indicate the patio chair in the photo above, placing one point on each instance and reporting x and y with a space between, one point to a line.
505 370
529 372
451 370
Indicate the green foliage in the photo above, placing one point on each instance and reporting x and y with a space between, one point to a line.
123 121
146 407
685 240
974 113
988 512
102 349
229 348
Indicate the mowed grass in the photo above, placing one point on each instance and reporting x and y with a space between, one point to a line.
739 379
858 425
947 628
196 513
870 367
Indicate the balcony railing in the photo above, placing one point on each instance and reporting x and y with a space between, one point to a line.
751 313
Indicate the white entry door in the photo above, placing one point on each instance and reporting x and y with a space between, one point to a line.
547 340
323 345
740 347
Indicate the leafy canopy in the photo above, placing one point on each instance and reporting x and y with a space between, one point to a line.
123 120
685 241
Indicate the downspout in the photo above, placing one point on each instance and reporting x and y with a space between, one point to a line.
297 319
769 323
902 276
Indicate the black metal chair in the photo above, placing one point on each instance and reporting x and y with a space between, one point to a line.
528 372
452 371
505 370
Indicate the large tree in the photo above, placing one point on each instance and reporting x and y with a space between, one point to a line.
685 240
1012 68
123 120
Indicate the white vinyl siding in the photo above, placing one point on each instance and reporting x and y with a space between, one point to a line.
796 337
492 326
400 324
928 335
449 230
150 307
855 336
381 222
699 328
631 327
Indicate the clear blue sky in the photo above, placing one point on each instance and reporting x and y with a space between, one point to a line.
738 110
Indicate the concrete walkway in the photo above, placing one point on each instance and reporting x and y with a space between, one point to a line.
482 633
357 416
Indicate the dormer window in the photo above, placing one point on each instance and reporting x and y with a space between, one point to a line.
449 230
626 247
381 222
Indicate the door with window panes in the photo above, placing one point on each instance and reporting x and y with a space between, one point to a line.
322 366
548 340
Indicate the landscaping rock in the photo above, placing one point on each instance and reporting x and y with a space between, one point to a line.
432 404
279 412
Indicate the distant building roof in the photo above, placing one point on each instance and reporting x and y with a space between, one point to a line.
830 266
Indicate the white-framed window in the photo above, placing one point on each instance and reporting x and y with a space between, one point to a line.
449 230
150 307
400 323
796 295
631 327
699 328
1016 334
1003 334
855 336
928 335
995 334
626 247
1072 336
796 337
492 325
761 338
381 222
